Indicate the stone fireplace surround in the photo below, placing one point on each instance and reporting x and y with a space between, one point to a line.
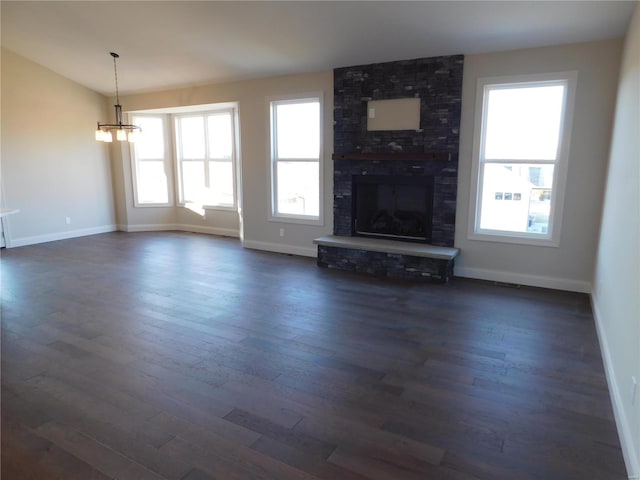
392 207
430 151
444 191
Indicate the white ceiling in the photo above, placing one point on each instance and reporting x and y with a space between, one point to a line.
178 43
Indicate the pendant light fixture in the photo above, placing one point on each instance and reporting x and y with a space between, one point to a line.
104 132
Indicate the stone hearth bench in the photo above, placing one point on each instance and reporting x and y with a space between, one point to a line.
388 258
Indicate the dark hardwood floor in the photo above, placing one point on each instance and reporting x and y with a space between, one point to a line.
185 356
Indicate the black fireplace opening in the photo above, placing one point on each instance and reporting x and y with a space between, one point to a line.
393 207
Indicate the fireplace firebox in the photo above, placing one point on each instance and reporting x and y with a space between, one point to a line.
393 207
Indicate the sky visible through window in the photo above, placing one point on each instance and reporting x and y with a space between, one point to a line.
524 123
297 166
151 178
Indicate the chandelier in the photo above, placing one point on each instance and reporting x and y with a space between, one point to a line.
104 132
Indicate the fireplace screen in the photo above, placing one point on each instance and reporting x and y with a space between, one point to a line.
393 207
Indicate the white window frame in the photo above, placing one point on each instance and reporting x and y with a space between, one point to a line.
167 161
484 85
178 159
275 216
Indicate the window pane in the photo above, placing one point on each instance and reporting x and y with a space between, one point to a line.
192 137
220 137
221 183
152 182
149 143
193 189
298 188
516 197
523 123
298 130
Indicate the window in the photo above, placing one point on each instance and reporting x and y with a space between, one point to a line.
150 162
520 157
205 148
295 159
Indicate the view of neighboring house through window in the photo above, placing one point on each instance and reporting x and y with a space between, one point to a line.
206 157
150 161
521 156
296 159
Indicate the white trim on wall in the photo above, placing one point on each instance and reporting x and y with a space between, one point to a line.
155 227
281 248
223 232
52 237
523 279
622 423
164 227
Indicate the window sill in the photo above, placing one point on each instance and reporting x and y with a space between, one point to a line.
232 208
153 205
224 208
514 239
316 222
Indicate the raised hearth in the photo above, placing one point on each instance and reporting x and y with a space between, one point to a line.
387 258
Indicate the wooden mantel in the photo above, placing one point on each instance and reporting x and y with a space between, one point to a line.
436 156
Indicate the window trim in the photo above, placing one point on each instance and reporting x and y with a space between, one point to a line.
213 110
552 238
167 161
272 216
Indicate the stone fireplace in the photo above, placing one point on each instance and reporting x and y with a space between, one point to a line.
439 171
417 168
392 207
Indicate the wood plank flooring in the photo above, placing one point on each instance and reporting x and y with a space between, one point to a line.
186 357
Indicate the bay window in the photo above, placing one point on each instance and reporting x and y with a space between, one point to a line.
151 161
205 147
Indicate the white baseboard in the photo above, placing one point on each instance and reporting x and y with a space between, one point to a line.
154 227
252 244
52 237
523 279
223 232
163 227
280 248
622 423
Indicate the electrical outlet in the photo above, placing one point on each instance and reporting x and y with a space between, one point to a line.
282 232
67 220
634 390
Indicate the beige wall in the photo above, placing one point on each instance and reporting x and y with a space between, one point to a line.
616 293
569 267
52 167
252 98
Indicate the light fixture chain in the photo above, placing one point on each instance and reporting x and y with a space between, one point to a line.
115 70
